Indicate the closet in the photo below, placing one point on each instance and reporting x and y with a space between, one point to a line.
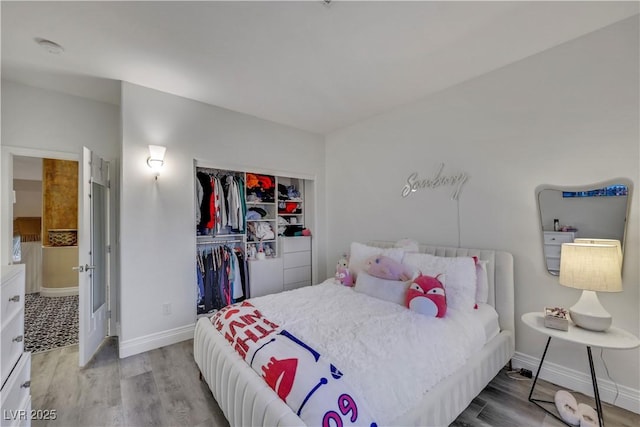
251 235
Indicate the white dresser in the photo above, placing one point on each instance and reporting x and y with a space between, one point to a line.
15 364
290 271
296 257
553 241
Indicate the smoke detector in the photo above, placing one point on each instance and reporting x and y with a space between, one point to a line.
50 46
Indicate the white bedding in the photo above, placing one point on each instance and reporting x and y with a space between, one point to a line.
488 316
391 355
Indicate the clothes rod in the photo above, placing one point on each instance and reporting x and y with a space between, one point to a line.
214 171
220 242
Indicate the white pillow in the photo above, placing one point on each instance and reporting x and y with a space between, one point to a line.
359 253
389 290
460 285
482 282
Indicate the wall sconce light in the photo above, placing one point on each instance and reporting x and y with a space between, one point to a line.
156 158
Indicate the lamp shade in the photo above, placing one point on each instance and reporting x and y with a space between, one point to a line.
593 267
594 241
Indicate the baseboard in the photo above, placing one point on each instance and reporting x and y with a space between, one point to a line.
157 340
58 292
628 398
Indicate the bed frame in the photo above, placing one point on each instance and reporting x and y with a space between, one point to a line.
245 399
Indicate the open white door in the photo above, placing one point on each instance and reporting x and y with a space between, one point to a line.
93 253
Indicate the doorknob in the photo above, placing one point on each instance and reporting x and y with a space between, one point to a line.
83 268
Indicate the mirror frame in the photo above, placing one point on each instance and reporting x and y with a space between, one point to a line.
601 184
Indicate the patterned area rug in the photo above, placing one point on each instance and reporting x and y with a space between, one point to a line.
50 322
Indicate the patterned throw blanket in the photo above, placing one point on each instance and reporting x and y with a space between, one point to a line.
312 387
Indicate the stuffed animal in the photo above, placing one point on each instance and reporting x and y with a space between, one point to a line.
385 267
342 262
343 275
426 296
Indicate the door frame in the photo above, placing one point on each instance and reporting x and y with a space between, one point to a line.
7 154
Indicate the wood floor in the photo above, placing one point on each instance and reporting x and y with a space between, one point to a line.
161 388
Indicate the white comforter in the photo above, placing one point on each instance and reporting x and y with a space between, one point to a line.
391 355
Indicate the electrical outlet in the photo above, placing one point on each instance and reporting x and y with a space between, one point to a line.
166 308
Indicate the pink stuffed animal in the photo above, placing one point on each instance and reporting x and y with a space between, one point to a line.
343 275
387 268
426 296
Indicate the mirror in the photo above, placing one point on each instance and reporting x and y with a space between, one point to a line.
597 211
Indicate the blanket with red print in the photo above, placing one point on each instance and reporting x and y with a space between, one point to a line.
308 383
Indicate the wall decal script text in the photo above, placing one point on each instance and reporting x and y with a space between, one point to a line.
414 183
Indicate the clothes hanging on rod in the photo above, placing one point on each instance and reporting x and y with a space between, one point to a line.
221 206
221 277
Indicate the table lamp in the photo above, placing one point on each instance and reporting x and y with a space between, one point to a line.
593 268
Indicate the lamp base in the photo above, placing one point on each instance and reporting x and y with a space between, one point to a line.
588 313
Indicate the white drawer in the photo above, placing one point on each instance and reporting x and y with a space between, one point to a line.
552 250
12 344
12 292
16 394
558 237
297 259
296 244
290 286
297 274
553 264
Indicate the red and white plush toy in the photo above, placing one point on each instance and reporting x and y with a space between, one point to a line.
426 296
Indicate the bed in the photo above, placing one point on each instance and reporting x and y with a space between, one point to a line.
246 399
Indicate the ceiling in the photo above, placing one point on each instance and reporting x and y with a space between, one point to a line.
305 64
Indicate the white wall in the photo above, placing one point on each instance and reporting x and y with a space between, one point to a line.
38 120
47 120
158 217
28 198
566 116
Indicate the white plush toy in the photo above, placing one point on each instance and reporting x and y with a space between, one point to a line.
343 275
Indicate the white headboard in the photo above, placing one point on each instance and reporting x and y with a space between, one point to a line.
499 269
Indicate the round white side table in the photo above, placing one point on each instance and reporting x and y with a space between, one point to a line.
613 338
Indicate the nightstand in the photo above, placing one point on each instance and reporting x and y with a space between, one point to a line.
613 338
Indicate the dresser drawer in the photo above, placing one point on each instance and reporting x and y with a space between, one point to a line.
296 244
552 250
297 259
12 342
553 264
12 292
16 400
558 237
297 274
